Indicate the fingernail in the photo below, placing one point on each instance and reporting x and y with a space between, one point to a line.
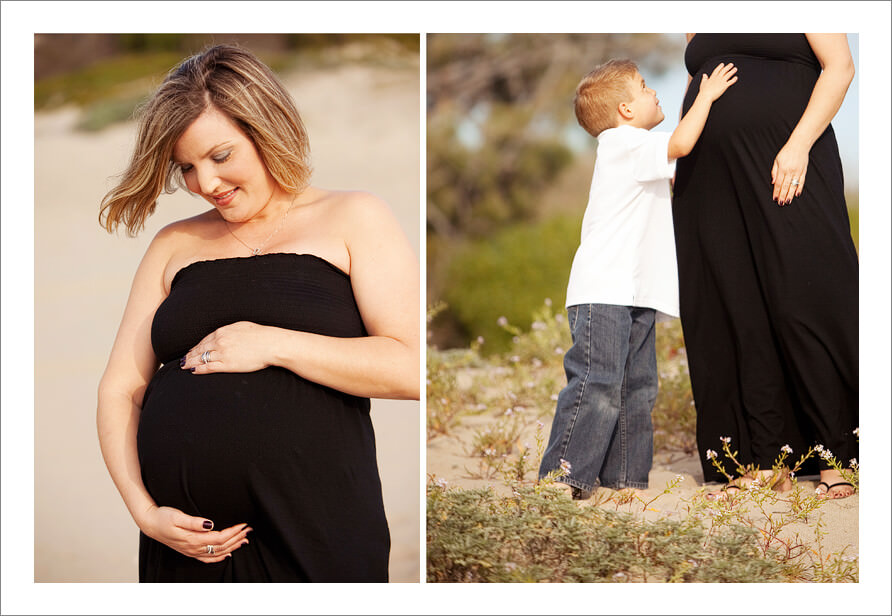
245 542
191 369
182 361
207 525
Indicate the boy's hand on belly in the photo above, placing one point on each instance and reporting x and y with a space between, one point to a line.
193 536
239 347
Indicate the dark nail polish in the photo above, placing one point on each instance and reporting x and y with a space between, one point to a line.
207 525
182 362
191 369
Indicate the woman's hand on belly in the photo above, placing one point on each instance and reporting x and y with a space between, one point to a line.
188 535
238 347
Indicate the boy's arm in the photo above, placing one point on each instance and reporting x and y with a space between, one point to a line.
691 125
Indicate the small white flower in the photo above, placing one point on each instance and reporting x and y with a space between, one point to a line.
554 397
548 301
442 483
787 449
539 424
515 358
826 454
489 451
856 432
509 411
566 466
502 321
710 454
480 340
538 325
558 351
819 448
725 439
853 462
679 478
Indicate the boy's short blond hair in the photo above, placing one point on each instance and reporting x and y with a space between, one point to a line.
599 94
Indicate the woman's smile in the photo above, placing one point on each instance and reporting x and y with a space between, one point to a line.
224 199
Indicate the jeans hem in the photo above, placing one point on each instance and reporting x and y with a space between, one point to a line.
623 485
577 484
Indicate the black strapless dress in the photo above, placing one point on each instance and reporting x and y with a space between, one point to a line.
294 459
769 294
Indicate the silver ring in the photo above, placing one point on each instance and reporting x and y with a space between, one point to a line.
794 183
209 549
205 357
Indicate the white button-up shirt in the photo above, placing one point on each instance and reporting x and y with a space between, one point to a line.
626 255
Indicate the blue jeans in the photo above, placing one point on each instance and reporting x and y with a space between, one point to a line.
602 425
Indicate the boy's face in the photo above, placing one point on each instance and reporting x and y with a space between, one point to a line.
645 107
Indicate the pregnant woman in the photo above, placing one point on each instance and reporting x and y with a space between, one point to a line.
768 273
233 414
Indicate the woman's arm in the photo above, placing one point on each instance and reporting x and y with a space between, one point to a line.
130 367
385 277
838 69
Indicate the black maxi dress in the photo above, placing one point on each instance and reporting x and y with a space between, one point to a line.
293 459
768 294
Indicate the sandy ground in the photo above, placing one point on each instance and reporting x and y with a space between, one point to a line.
447 458
364 133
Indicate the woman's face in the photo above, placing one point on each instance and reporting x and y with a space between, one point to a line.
221 164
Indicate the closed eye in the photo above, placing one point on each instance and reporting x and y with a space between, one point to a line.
222 157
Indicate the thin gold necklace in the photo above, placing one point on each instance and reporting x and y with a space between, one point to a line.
259 249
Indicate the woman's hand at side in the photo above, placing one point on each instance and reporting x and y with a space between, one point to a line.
190 536
838 69
788 172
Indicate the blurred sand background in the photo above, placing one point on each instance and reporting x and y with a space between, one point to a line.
363 124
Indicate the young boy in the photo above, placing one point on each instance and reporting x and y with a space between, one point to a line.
623 273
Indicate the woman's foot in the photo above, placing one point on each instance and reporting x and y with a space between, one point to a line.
833 486
779 481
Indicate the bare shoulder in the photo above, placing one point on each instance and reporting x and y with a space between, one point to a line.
356 203
358 214
173 245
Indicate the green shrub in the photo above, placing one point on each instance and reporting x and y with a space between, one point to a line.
540 535
508 275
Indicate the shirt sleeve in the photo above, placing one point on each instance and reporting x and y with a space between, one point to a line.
650 158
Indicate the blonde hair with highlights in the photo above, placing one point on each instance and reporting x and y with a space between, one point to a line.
233 81
599 94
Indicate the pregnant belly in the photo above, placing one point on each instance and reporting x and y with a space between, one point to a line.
206 442
769 95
